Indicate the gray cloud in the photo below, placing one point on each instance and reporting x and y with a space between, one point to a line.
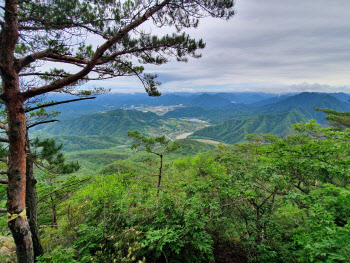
272 46
269 44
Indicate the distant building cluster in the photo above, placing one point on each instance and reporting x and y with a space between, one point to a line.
159 110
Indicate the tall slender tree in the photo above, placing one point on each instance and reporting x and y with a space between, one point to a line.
55 31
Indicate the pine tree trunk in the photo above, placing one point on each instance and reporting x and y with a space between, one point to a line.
16 191
53 214
31 204
14 101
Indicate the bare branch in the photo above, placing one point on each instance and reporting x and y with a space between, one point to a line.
56 103
84 180
4 140
4 181
52 226
4 127
41 122
65 59
3 210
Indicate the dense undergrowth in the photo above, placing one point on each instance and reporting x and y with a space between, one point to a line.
267 200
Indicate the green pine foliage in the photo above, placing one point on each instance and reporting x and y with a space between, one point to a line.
335 118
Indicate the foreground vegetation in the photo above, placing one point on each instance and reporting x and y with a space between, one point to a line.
267 200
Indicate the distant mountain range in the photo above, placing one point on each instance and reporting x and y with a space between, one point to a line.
112 101
276 118
304 102
232 120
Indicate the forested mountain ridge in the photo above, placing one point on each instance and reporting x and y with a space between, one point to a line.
111 123
304 102
235 130
308 100
233 124
276 118
231 104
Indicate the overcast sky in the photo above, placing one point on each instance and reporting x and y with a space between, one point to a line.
273 46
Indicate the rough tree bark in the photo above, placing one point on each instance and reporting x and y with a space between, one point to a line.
16 189
14 102
31 203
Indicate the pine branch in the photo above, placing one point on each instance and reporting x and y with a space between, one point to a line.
57 103
98 54
25 61
41 122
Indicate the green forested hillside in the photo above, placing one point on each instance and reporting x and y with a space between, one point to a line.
271 199
78 143
268 199
112 123
235 130
215 116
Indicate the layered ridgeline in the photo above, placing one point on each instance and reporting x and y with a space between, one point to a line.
107 129
113 101
100 130
303 102
235 130
275 118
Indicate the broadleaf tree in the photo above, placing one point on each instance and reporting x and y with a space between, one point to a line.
54 32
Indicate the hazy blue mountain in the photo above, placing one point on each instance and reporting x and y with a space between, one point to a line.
307 100
245 97
270 100
213 107
303 102
209 101
113 101
341 96
235 130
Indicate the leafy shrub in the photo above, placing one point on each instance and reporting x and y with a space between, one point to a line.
58 255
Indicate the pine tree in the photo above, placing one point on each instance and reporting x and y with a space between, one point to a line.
50 153
35 32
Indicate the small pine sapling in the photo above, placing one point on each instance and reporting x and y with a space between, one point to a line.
155 145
